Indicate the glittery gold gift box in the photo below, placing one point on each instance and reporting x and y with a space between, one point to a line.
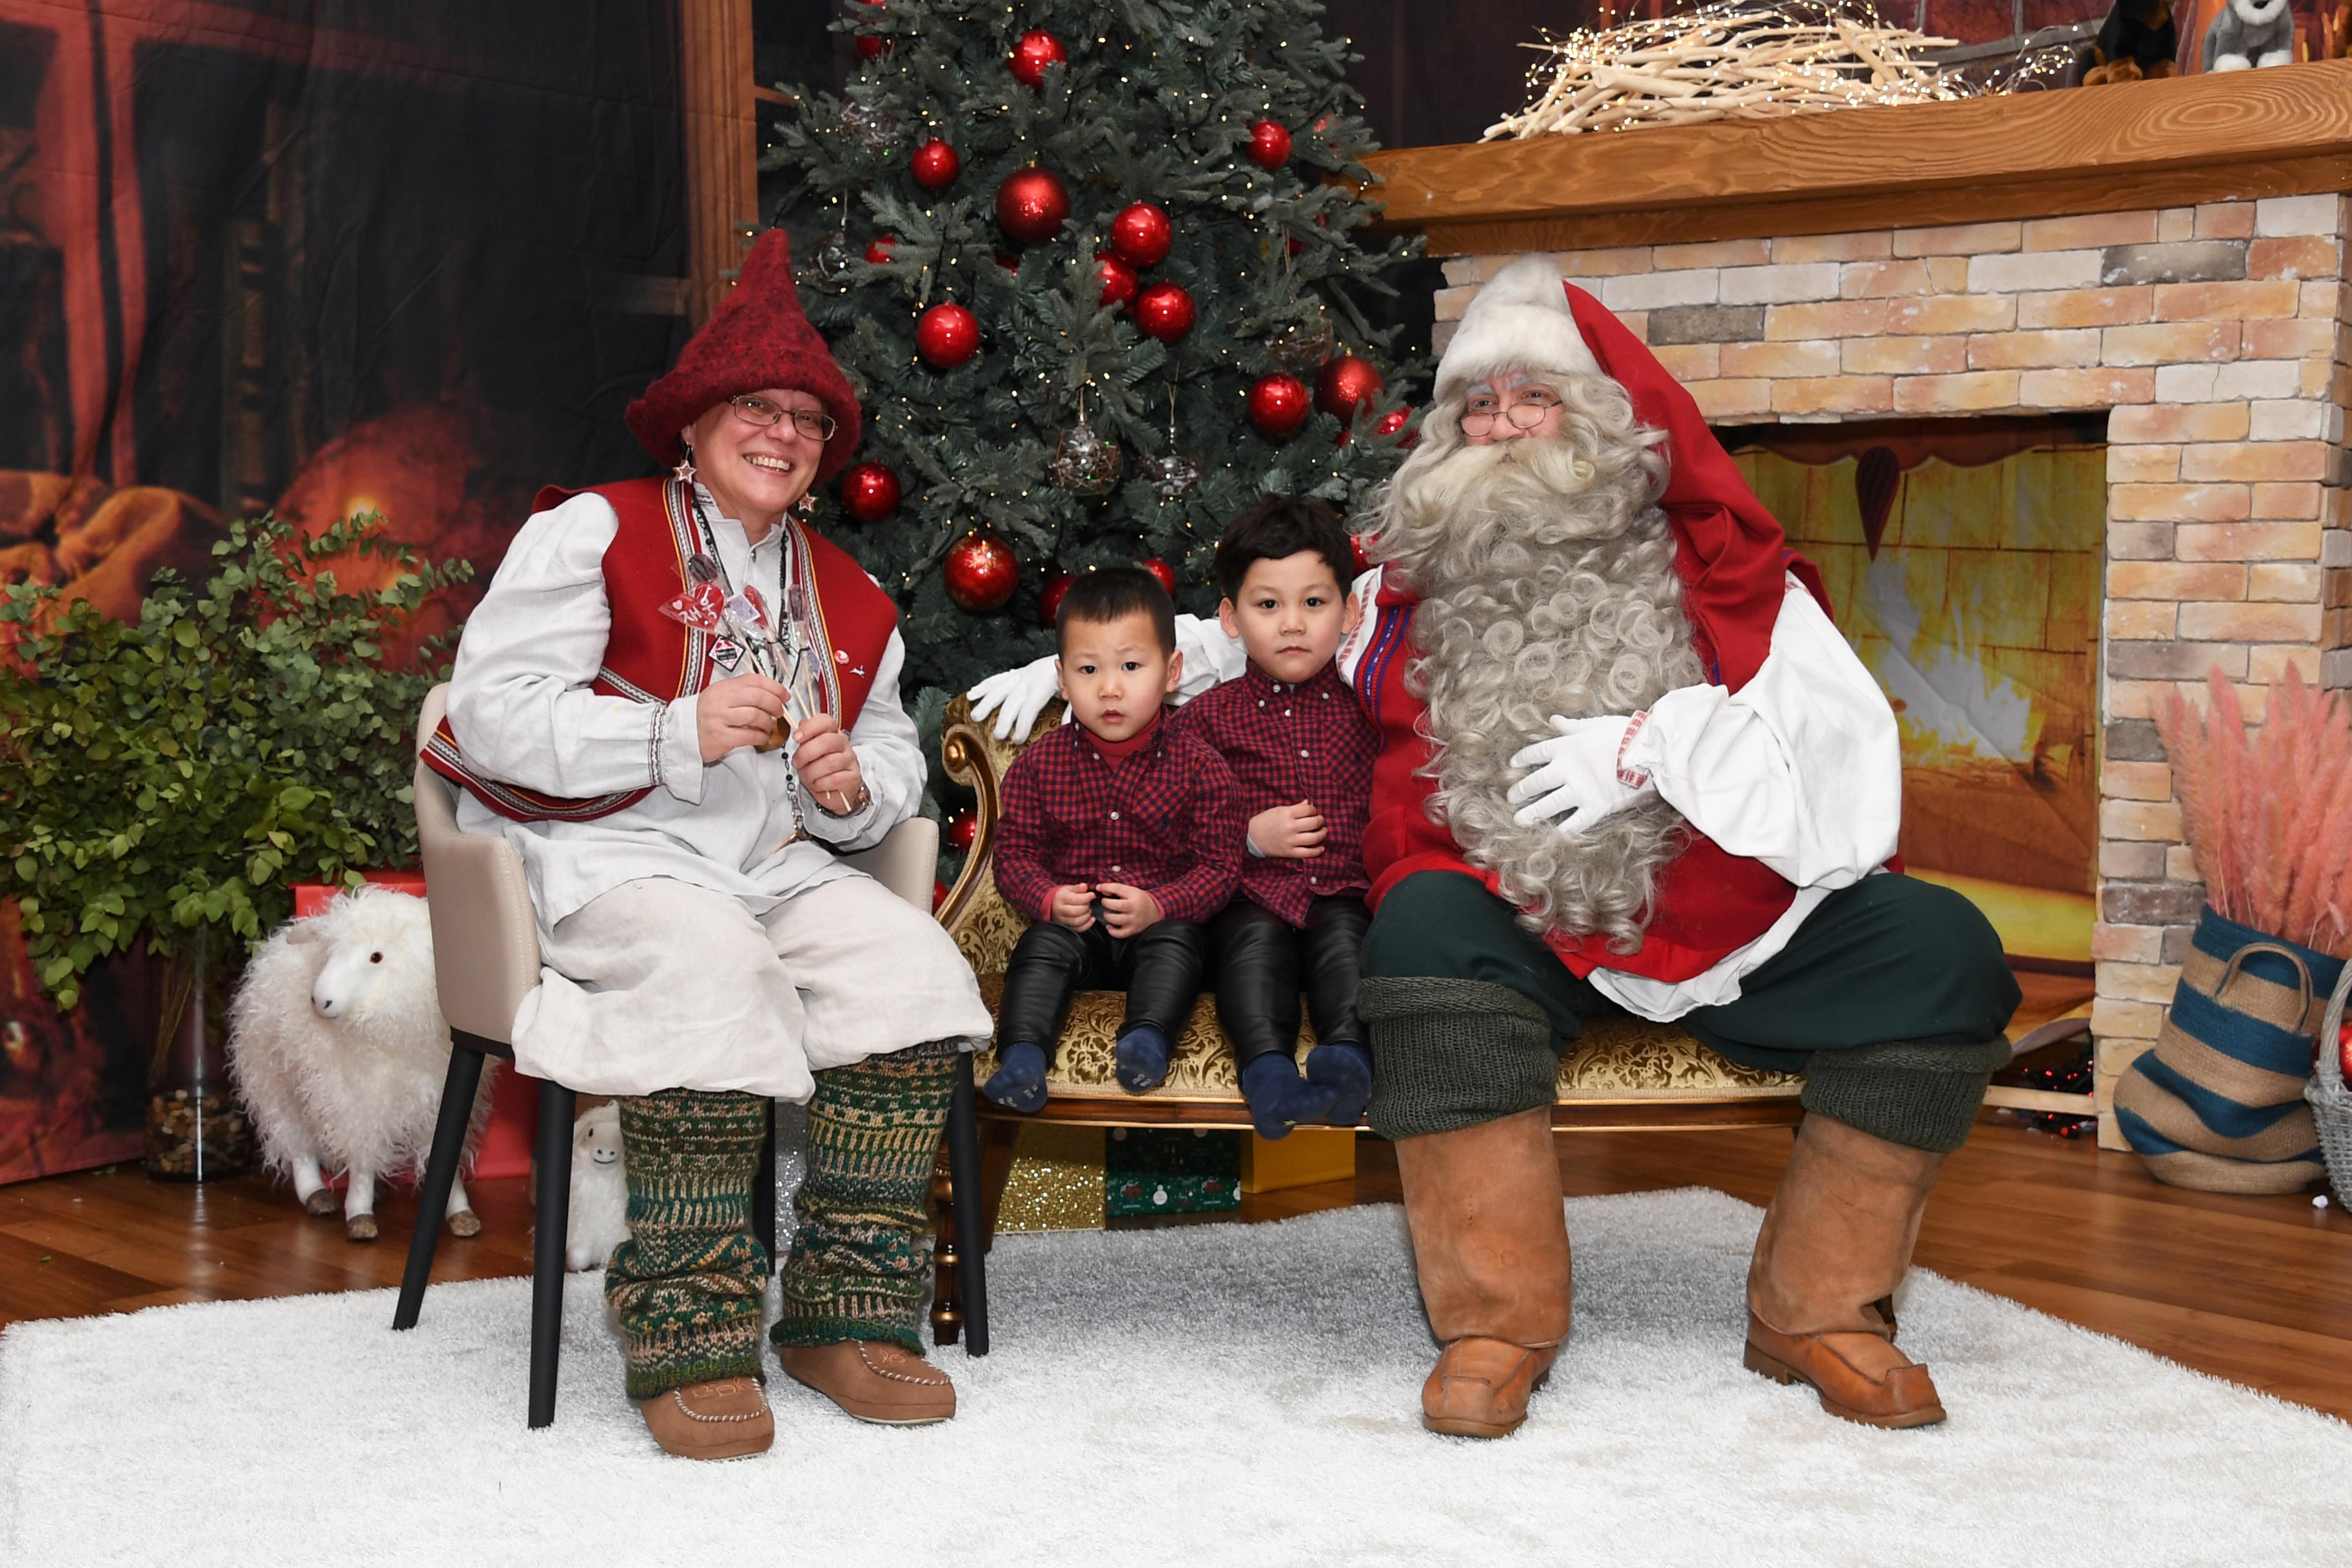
1056 1182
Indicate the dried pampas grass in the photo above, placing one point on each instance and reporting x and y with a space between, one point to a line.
2270 813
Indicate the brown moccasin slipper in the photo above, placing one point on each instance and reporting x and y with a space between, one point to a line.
886 1383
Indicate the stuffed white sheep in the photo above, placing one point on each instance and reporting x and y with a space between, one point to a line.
339 1049
599 1217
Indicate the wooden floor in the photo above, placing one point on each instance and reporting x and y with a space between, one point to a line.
2258 1290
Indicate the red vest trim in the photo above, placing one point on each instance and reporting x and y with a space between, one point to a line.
651 659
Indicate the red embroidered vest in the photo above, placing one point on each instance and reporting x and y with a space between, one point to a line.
651 659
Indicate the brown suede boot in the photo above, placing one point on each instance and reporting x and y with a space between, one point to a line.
1490 1244
1836 1242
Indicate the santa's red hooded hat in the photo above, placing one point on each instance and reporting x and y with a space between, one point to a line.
757 338
1731 554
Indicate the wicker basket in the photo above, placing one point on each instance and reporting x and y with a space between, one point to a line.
2331 1102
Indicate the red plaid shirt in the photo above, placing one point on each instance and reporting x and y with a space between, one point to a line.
1164 820
1285 744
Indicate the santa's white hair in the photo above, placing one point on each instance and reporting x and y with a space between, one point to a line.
1547 579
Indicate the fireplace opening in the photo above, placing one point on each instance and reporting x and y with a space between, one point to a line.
1963 559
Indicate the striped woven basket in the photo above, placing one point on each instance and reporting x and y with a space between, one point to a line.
2219 1104
2331 1102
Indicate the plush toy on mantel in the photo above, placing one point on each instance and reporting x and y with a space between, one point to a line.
339 1051
599 1215
2138 40
2249 33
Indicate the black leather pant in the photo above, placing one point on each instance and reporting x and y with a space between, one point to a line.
1160 969
1263 964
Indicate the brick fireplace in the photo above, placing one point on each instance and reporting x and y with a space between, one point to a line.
2212 330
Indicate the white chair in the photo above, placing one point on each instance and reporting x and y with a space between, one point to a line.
486 961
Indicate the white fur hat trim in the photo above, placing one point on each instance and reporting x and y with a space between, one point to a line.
1519 320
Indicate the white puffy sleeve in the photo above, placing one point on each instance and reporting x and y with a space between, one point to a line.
518 698
1799 769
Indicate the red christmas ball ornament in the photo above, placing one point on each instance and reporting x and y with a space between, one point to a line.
1164 310
1392 421
872 45
980 571
1269 145
1119 279
1141 234
1355 548
1278 405
1162 570
1032 204
1049 602
877 249
1344 384
964 826
935 165
938 894
869 491
946 334
1031 53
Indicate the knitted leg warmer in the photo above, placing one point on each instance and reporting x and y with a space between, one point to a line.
860 1267
686 1285
1449 1054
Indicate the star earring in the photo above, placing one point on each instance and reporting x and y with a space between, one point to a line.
683 472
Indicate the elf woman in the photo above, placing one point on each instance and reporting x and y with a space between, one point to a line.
677 703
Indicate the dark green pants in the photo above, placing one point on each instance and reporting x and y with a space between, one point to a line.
1891 999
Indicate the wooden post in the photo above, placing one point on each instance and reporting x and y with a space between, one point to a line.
722 183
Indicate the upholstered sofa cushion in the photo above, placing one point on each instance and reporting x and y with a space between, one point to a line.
1616 1060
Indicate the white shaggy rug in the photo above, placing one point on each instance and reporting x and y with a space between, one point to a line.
1208 1394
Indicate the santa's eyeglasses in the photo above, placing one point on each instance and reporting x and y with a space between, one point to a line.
1525 413
753 409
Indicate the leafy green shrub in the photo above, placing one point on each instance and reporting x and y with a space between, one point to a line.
183 770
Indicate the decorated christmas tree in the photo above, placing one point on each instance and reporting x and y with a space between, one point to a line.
1094 275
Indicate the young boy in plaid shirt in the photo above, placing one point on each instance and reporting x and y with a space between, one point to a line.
1300 747
1121 835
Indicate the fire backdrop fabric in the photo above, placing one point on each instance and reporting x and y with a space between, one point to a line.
1963 561
321 255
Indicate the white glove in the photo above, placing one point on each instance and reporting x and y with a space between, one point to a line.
1576 776
1016 696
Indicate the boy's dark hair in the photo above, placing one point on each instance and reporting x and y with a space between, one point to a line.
1275 527
1112 592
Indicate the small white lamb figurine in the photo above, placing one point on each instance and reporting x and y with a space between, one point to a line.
2250 33
339 1051
599 1215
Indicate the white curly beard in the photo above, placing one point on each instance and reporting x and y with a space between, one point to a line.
1547 586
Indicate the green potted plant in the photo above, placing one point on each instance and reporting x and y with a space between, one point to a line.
162 781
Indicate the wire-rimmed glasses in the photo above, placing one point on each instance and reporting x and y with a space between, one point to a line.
754 409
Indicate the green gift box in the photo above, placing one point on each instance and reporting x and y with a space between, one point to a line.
1157 1171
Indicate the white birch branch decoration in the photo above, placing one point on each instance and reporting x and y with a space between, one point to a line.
1734 59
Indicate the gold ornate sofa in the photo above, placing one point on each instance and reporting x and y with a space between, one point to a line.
1623 1075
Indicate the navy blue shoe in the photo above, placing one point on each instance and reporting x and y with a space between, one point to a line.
1143 1056
1019 1081
1346 1069
1279 1099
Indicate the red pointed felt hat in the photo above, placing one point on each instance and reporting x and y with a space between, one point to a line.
757 338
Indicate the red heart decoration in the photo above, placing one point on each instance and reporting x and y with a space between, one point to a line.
697 607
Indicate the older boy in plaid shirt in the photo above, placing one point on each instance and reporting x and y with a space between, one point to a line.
1300 747
1121 833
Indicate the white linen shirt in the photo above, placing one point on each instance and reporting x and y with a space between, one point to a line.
521 710
1801 769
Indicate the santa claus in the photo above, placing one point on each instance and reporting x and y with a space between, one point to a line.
1628 763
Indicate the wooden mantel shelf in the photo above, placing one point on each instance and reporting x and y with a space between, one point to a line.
2282 131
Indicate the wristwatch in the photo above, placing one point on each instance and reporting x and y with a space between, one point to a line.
865 798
